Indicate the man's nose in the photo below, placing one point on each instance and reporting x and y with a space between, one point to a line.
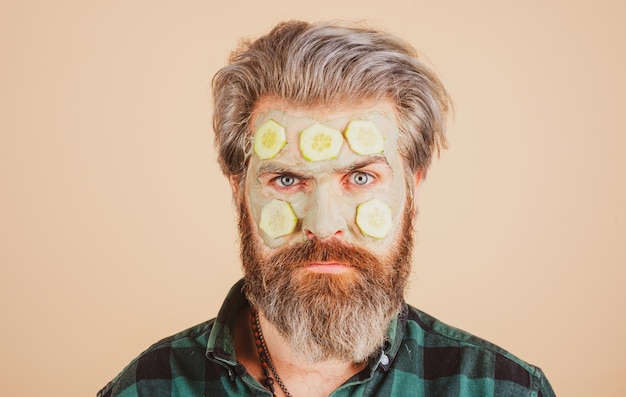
323 219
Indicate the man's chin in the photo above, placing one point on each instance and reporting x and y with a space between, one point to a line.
328 315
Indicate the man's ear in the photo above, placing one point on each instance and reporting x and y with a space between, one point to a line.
234 185
418 176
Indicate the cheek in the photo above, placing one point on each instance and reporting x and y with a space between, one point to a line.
380 217
274 218
277 219
374 218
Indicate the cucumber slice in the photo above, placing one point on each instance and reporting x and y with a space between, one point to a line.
364 138
269 139
373 217
277 218
319 142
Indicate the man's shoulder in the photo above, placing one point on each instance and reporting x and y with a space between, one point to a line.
192 336
162 362
446 353
439 334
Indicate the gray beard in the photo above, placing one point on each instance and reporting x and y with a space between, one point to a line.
327 316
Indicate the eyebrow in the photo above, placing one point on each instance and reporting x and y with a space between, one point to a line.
273 168
378 159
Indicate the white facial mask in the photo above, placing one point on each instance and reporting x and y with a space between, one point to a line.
324 197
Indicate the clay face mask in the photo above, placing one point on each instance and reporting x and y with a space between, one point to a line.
326 174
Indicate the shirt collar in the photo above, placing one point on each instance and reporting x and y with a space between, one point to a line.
221 344
395 334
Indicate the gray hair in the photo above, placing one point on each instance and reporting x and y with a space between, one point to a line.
322 64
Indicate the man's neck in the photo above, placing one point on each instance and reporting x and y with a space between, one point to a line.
300 377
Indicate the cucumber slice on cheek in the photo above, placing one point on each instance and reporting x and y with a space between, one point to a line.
319 142
269 139
277 219
373 217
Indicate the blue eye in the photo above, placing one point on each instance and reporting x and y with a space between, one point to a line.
286 180
361 178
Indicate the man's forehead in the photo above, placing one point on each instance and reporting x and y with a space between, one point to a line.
320 138
296 122
297 118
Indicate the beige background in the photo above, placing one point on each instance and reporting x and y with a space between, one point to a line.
116 227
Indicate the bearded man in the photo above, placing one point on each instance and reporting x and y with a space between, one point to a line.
325 132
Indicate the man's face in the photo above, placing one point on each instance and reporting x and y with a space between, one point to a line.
326 194
333 275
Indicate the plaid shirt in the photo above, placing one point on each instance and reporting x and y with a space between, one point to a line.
423 357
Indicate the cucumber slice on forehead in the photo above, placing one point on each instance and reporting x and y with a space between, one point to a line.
277 219
320 142
364 137
269 139
373 217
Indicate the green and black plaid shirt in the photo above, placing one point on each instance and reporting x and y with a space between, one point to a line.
423 357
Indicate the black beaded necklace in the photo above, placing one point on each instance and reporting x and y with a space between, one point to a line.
264 356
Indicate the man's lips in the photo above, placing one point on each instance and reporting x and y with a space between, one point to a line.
327 267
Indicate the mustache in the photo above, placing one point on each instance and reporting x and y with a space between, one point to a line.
304 253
